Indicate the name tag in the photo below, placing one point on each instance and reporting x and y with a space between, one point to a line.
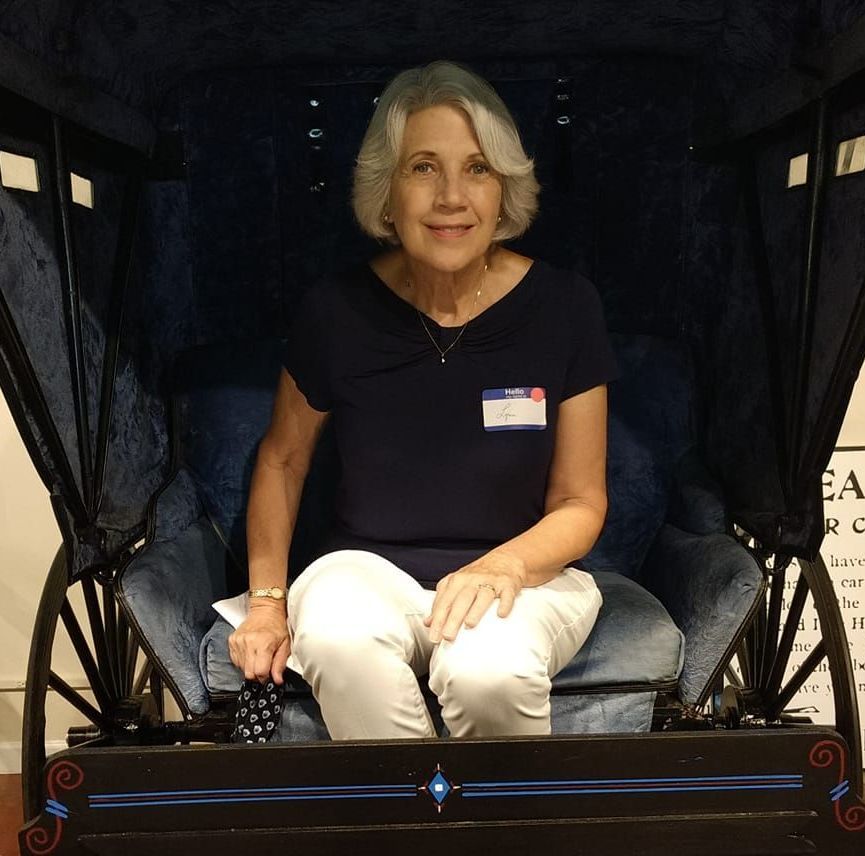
515 408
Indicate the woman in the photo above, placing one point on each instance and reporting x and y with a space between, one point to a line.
466 384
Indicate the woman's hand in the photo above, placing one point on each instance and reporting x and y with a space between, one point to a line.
260 646
464 596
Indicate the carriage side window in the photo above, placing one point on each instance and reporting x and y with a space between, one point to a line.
82 190
797 174
851 156
18 172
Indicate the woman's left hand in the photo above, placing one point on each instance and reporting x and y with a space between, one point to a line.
464 596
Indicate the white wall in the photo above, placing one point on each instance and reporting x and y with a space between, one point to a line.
853 429
29 539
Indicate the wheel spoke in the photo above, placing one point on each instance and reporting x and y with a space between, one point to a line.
140 684
131 661
78 702
100 690
733 678
744 657
97 630
122 650
109 612
158 695
773 623
757 634
795 683
785 645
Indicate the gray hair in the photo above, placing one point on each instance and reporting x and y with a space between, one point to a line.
443 82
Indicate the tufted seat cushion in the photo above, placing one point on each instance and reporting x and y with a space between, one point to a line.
634 642
633 646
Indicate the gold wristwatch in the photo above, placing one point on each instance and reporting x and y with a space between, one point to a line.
275 593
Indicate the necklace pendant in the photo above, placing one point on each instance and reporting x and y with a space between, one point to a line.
443 359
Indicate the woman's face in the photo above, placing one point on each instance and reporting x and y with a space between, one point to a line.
445 198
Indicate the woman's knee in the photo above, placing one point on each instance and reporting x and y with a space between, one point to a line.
332 577
345 622
345 654
490 688
349 584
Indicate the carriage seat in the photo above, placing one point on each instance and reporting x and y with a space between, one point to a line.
676 588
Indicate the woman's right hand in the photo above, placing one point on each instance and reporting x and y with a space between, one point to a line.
260 646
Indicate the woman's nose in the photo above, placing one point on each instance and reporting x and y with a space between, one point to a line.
451 189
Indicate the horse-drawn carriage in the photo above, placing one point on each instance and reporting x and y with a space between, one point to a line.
192 167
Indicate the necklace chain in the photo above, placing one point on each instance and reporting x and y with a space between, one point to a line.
452 345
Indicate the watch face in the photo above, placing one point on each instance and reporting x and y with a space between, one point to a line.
277 593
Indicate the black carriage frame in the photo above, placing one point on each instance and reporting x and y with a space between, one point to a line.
129 705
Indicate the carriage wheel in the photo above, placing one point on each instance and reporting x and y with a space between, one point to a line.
119 682
764 679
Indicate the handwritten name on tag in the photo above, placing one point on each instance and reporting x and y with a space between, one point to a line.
515 408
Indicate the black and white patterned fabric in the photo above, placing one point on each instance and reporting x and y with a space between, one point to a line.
259 708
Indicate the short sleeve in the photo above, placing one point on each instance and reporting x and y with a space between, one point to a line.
592 361
306 352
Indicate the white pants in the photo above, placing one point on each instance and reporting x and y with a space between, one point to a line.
358 638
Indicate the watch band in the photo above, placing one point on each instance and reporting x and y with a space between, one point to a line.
274 593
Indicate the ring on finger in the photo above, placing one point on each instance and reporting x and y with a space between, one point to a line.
490 587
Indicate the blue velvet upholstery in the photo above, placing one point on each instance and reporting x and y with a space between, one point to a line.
170 583
632 642
602 713
637 493
650 428
708 583
224 397
696 503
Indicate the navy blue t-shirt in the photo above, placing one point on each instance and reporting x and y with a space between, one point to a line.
428 478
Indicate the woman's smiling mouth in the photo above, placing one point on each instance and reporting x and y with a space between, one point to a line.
449 231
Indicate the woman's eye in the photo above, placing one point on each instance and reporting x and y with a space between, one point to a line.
423 168
480 168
